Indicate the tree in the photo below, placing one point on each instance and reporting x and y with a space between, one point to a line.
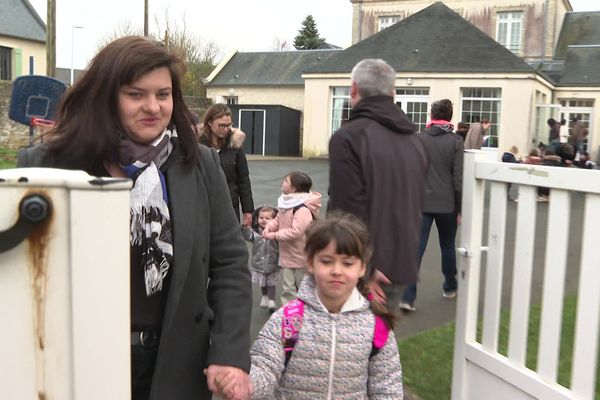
308 37
200 56
121 29
280 44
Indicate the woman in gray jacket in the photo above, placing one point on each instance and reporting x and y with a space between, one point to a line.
191 295
443 188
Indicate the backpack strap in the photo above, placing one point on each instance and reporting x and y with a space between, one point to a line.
293 314
291 322
380 335
299 206
381 332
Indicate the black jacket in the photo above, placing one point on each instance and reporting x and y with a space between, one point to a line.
378 167
235 166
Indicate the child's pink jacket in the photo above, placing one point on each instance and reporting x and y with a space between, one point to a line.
290 231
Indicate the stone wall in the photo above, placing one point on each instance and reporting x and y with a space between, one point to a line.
12 134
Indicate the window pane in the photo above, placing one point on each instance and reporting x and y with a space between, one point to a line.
341 91
340 107
484 103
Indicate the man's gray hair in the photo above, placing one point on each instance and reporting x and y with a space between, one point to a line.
374 77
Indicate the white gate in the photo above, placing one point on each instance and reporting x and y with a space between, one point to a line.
480 371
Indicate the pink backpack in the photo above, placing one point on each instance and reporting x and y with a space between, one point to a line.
293 314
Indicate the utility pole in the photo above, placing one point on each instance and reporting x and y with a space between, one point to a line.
51 39
146 18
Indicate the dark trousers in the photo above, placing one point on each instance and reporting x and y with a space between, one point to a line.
446 226
143 361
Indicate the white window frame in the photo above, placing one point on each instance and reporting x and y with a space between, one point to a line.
385 21
569 111
512 21
336 123
421 95
231 100
494 122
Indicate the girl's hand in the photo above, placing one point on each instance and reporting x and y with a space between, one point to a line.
269 235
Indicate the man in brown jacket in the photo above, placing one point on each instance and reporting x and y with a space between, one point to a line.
378 167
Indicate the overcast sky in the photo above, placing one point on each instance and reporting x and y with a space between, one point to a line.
246 25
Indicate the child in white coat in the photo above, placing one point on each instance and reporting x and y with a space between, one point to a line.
298 207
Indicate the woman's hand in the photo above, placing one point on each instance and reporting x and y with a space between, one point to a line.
231 382
247 219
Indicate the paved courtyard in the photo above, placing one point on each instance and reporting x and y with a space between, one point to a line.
432 309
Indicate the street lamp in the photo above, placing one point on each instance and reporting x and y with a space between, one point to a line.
72 47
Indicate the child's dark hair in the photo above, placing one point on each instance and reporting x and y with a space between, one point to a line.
300 181
351 238
256 213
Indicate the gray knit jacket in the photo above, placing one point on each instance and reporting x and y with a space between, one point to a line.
331 358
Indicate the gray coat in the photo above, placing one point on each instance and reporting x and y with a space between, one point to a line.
474 139
265 252
203 323
344 340
443 186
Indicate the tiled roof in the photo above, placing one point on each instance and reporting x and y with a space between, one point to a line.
269 68
582 67
579 28
19 19
435 39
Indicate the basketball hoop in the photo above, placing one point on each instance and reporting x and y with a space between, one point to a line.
33 102
46 123
42 126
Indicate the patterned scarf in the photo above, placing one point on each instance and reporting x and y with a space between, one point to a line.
150 219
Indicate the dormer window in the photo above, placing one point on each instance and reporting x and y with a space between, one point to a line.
388 20
509 30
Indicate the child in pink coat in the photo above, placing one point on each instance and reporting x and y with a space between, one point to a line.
298 207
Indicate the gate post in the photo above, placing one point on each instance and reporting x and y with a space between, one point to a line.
64 285
473 192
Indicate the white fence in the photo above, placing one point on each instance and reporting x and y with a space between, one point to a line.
64 286
480 371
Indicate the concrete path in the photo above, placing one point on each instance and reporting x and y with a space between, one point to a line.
432 309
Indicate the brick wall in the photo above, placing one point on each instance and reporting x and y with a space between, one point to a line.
12 134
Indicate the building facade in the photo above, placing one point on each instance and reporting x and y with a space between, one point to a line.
437 54
22 40
529 28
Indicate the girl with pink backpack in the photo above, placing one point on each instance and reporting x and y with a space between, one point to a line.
332 342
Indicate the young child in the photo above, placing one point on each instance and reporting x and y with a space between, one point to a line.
265 254
298 207
334 355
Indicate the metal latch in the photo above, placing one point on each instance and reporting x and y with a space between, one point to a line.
34 209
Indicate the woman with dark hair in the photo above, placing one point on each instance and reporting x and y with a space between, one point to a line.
126 118
217 132
443 188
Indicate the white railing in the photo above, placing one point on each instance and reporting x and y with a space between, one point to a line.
480 371
64 286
